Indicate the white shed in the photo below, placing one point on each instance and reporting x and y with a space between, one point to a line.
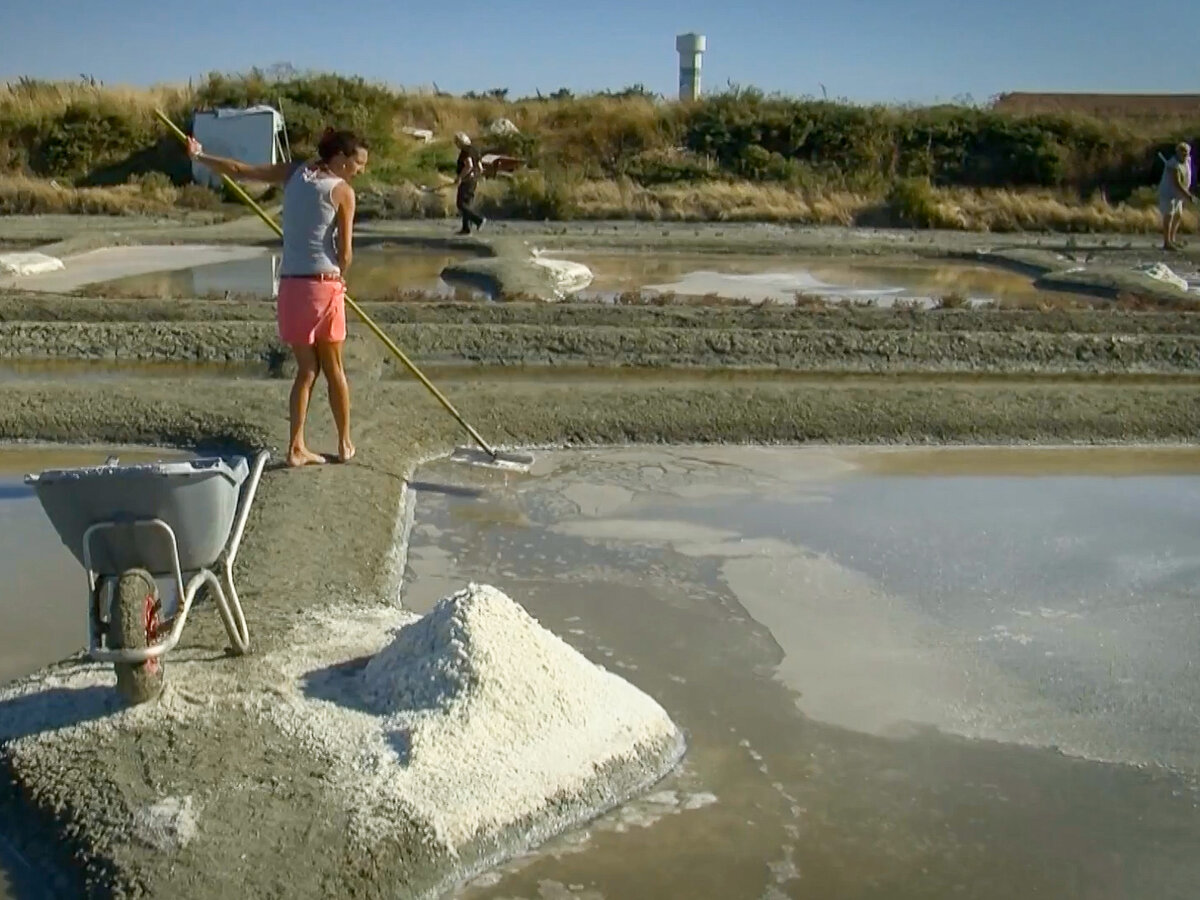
255 135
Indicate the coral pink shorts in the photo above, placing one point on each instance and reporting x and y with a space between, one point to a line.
311 310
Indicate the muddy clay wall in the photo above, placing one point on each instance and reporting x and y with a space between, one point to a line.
850 340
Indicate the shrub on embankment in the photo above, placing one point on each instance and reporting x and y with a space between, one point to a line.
737 155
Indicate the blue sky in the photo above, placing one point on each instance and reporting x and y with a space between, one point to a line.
866 50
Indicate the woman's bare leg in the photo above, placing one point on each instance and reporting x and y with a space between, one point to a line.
307 368
329 353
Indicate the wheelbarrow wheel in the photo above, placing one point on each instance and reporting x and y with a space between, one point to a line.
133 624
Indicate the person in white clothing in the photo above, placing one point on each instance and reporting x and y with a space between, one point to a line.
1175 187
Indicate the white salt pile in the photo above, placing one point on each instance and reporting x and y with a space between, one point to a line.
28 263
474 721
569 277
448 743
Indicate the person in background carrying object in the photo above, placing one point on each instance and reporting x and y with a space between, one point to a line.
318 229
469 171
1173 189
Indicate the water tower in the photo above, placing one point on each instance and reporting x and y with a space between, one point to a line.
691 48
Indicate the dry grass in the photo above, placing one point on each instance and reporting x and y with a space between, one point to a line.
715 201
961 209
26 99
1002 210
1134 107
957 209
20 195
594 157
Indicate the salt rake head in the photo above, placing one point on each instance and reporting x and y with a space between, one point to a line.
473 456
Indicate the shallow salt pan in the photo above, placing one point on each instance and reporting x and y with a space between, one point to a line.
109 263
766 286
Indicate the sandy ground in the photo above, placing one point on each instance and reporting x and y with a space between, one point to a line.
328 536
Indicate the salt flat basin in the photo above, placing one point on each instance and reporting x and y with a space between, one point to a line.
900 670
880 281
387 272
377 273
111 263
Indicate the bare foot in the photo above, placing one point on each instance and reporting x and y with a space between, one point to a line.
346 451
304 457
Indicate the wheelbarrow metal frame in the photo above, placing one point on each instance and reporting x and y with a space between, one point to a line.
224 592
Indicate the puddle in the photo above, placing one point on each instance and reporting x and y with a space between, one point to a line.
113 263
903 673
377 273
384 272
881 282
586 374
109 369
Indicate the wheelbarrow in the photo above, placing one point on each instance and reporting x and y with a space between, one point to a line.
150 536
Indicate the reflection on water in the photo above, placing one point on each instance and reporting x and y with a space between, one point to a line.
99 370
874 670
1032 462
43 600
882 282
377 273
386 272
257 276
22 459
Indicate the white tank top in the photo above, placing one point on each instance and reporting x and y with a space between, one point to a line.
1167 188
309 222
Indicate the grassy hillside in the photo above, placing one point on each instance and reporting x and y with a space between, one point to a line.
738 155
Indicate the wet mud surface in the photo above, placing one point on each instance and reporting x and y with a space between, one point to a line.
1018 341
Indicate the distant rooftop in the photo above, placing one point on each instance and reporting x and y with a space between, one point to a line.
1122 106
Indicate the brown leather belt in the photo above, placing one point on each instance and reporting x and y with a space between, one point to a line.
319 276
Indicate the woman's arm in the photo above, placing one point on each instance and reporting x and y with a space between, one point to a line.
343 196
276 173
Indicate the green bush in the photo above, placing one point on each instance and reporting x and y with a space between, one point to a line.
84 138
152 183
87 135
912 202
310 104
668 167
536 195
197 196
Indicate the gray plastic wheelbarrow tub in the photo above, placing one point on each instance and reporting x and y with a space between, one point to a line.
181 521
197 498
